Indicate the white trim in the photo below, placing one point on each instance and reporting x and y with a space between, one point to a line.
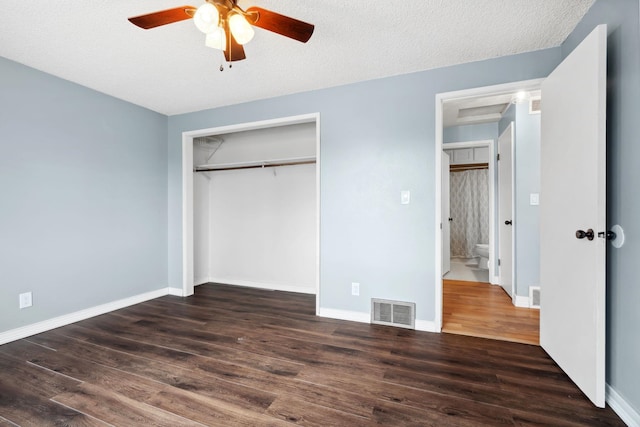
317 118
358 316
187 215
620 406
440 98
438 215
67 319
426 326
187 190
514 234
199 281
353 316
520 301
269 286
175 291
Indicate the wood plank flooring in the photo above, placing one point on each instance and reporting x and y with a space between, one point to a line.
486 311
231 356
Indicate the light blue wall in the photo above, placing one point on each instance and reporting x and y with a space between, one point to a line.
508 117
623 176
470 132
83 197
527 181
377 139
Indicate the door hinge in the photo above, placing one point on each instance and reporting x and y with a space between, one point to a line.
498 157
498 262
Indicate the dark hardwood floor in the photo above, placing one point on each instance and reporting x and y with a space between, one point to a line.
231 356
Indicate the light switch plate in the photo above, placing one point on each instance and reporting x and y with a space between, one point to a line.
534 199
355 289
26 300
405 197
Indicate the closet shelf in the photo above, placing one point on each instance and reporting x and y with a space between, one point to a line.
291 161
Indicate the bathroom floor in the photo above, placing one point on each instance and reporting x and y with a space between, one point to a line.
467 269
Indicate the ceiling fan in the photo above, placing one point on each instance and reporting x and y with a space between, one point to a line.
227 26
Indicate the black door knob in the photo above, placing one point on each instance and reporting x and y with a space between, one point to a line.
581 234
450 219
508 222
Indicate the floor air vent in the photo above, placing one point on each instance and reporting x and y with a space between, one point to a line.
534 296
393 313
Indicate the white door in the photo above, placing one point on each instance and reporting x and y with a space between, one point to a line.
505 209
572 269
446 213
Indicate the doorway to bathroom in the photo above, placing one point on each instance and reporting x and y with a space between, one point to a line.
469 186
481 259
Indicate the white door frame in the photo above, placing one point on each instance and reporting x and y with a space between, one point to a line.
528 85
187 189
491 144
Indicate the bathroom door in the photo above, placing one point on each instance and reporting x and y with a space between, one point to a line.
446 213
505 210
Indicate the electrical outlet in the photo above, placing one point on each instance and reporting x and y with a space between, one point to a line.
355 289
26 300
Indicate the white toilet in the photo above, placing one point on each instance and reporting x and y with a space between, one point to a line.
482 252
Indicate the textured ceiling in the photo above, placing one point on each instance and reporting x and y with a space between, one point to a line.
170 70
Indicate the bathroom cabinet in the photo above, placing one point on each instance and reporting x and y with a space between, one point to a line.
468 155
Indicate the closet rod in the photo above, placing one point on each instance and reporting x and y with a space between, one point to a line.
468 167
253 166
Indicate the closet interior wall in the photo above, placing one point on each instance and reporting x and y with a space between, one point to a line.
257 227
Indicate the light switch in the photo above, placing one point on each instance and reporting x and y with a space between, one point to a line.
534 199
405 197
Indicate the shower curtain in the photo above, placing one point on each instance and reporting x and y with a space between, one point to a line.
469 200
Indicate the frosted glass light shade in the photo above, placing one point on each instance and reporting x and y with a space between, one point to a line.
240 28
216 39
206 18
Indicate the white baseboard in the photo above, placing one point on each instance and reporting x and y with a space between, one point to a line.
200 281
357 316
426 325
495 280
270 286
175 291
354 316
520 301
56 322
626 412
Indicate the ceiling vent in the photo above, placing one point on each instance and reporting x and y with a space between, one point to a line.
393 313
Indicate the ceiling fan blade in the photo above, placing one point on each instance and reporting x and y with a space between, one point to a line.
163 17
280 24
234 51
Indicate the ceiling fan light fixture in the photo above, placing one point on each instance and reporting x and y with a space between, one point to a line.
216 39
240 28
207 18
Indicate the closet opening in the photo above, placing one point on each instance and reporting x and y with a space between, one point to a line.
251 205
